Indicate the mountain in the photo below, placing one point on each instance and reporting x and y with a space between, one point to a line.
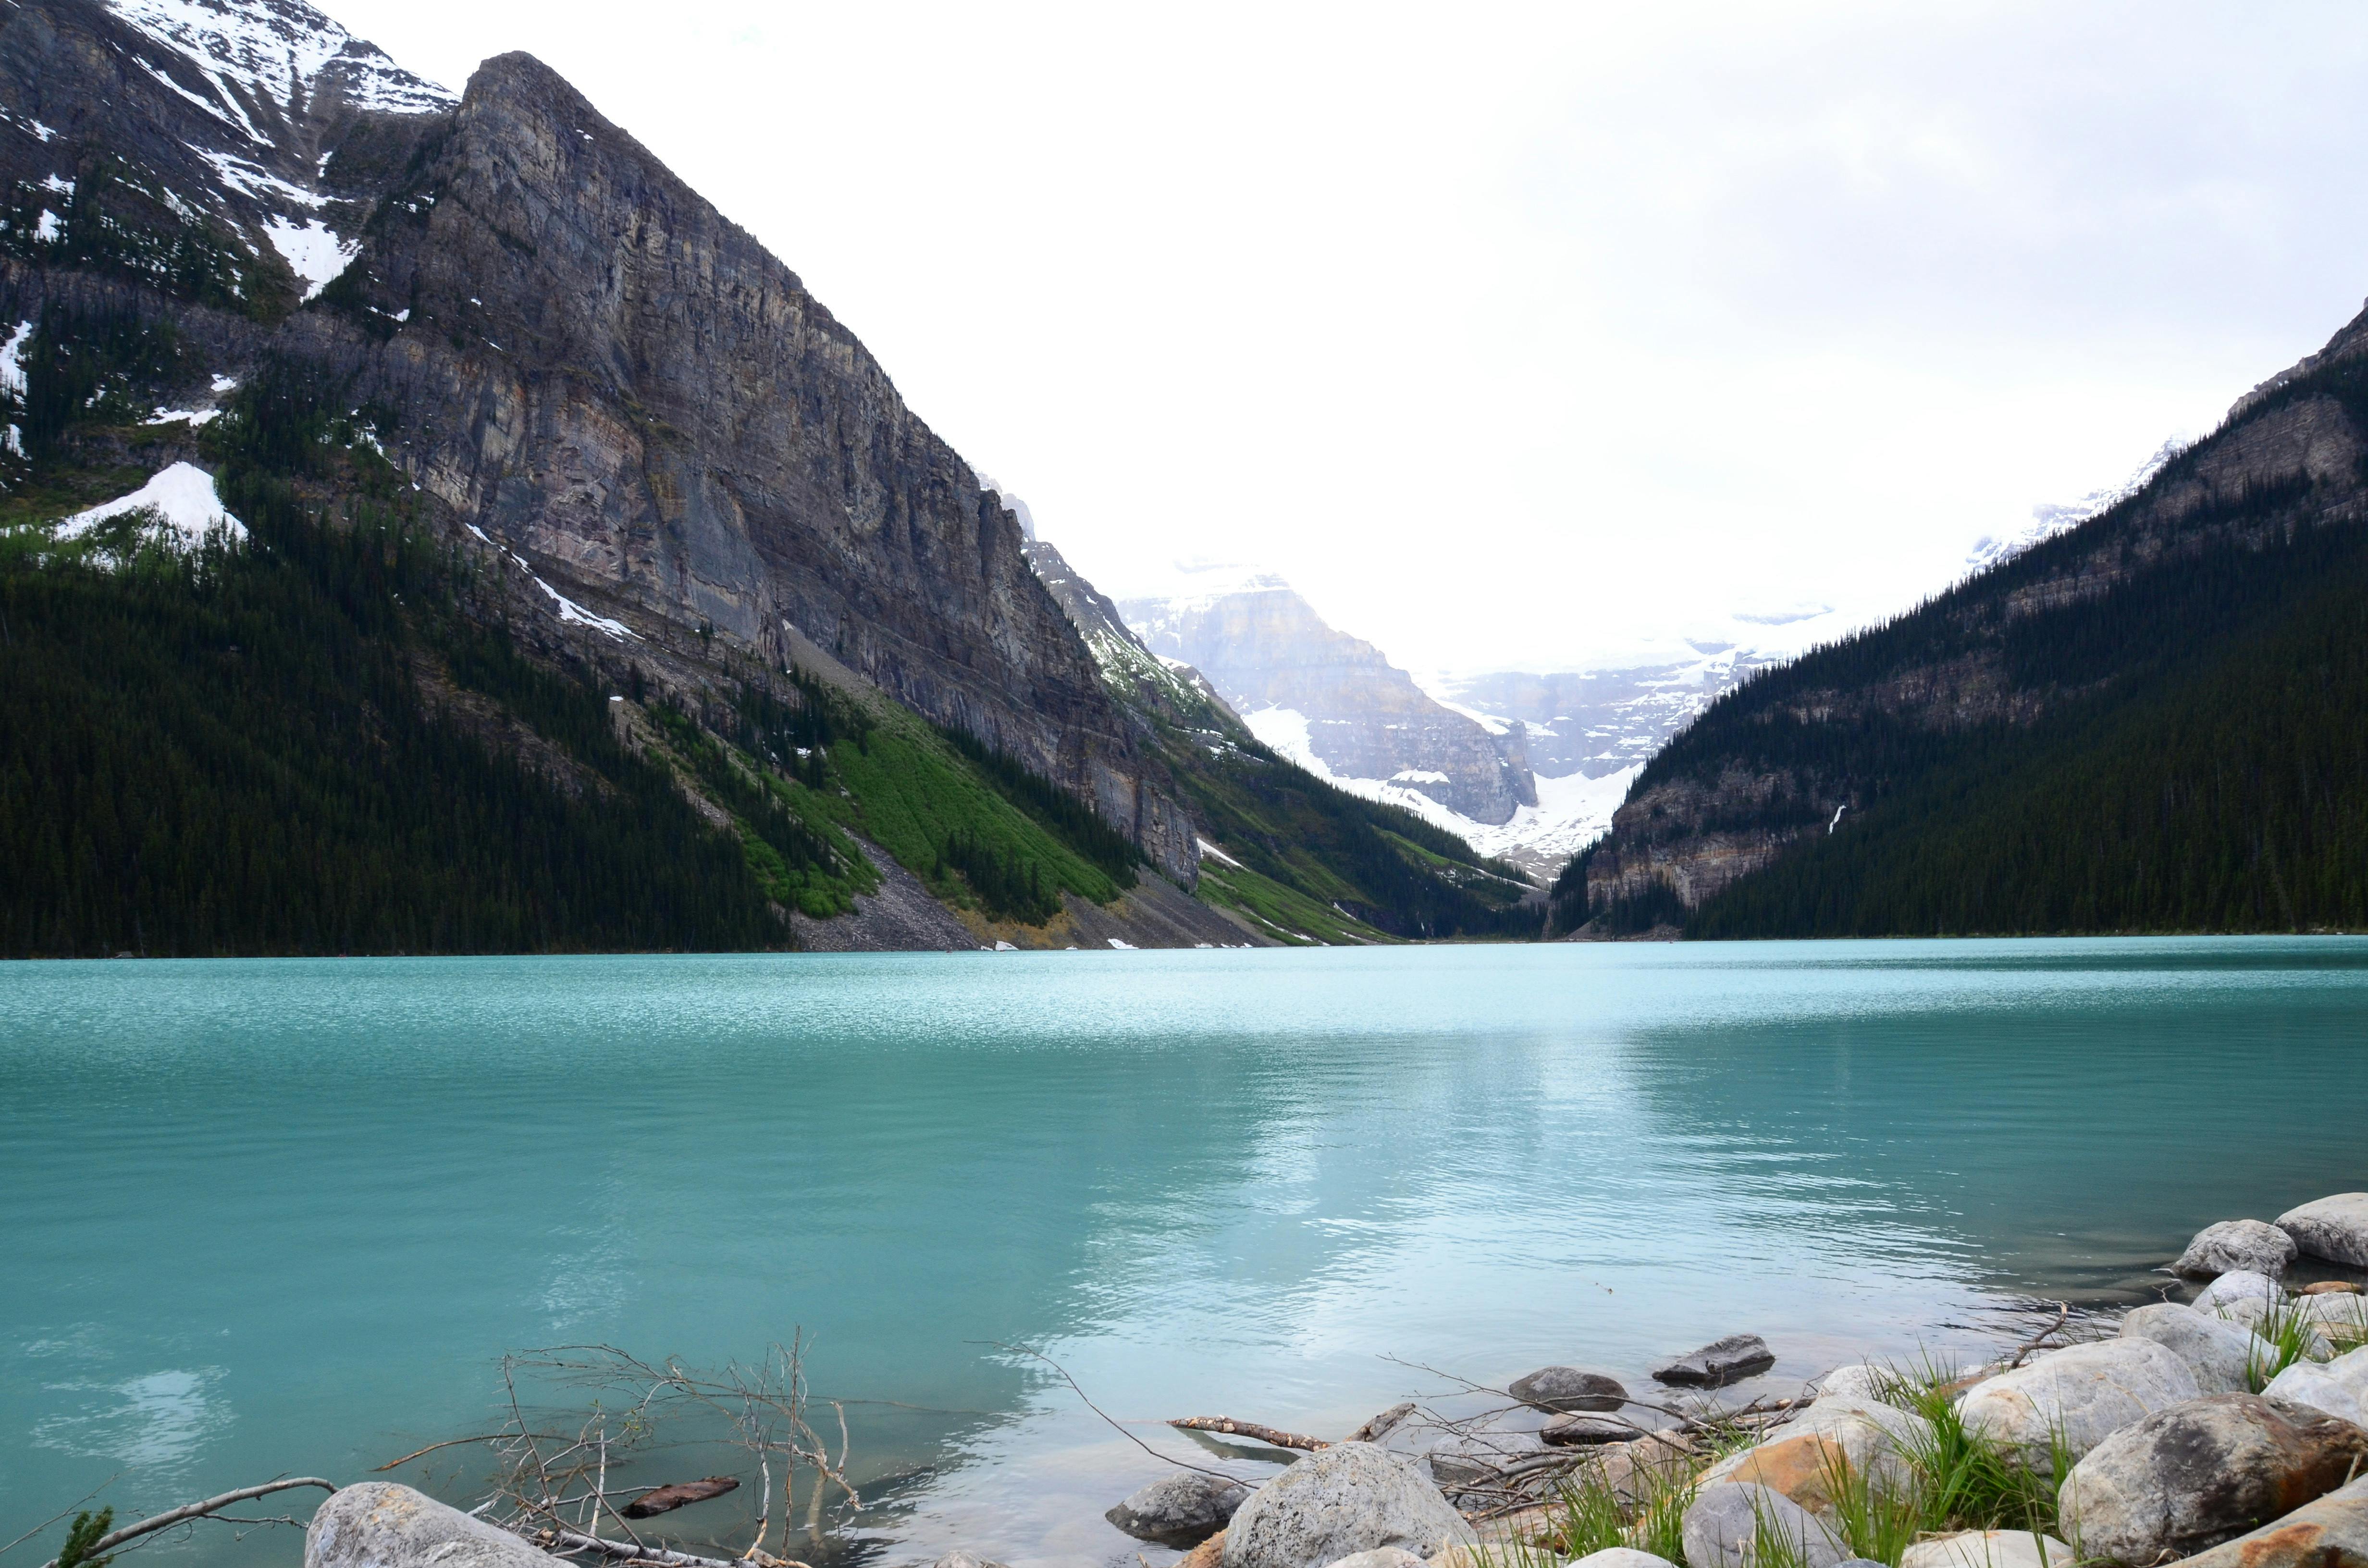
553 489
1329 701
2150 722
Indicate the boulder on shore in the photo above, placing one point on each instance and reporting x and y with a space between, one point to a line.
2338 1387
1380 1557
2247 1245
379 1524
1183 1509
2329 1533
2333 1228
1857 1381
1567 1388
1583 1428
1620 1557
2244 1289
1351 1497
2186 1478
1635 1472
1726 1524
2220 1353
1719 1363
1987 1549
2078 1396
1834 1437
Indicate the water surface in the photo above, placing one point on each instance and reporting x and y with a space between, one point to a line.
286 1216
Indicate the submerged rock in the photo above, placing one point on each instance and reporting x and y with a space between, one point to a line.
1183 1509
2333 1228
1351 1497
2078 1396
2247 1244
378 1524
950 1560
1567 1388
1726 1527
1715 1365
2188 1478
1988 1548
2329 1533
2220 1353
1584 1429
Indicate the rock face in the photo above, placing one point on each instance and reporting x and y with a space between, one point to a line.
1715 1365
1183 1509
2078 1396
2192 1476
1567 1388
1725 1525
2333 1228
1268 653
2247 1244
377 1524
565 345
1988 1548
2218 1352
1351 1497
2329 1533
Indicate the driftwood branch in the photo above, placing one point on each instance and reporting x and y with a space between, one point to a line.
2063 1316
1273 1436
568 1540
188 1511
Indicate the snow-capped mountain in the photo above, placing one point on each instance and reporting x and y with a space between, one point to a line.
2048 519
253 200
1330 701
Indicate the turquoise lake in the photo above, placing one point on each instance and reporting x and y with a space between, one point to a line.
286 1217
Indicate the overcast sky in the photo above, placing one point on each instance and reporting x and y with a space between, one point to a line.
1518 336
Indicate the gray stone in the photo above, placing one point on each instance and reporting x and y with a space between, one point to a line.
1380 1557
2339 1388
2247 1245
2220 1353
2078 1396
1583 1427
1620 1557
1857 1381
1377 1427
1567 1388
950 1560
1725 1524
2333 1228
1183 1509
2329 1533
2186 1478
2238 1286
2341 1319
1725 1361
1987 1549
378 1524
1351 1497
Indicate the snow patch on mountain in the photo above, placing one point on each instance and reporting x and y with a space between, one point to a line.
182 496
314 252
282 51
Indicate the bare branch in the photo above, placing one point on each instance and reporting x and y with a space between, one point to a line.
1273 1435
194 1511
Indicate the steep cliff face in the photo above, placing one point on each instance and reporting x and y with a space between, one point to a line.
2194 566
1279 664
553 335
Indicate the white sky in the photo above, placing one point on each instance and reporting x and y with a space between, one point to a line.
1518 336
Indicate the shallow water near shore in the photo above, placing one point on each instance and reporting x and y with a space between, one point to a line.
286 1216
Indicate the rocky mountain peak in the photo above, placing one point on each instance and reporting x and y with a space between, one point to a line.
266 60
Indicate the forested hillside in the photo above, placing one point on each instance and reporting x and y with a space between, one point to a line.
2152 722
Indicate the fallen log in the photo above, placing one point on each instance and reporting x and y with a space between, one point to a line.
681 1493
1225 1425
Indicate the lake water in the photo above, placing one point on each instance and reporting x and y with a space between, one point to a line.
287 1216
